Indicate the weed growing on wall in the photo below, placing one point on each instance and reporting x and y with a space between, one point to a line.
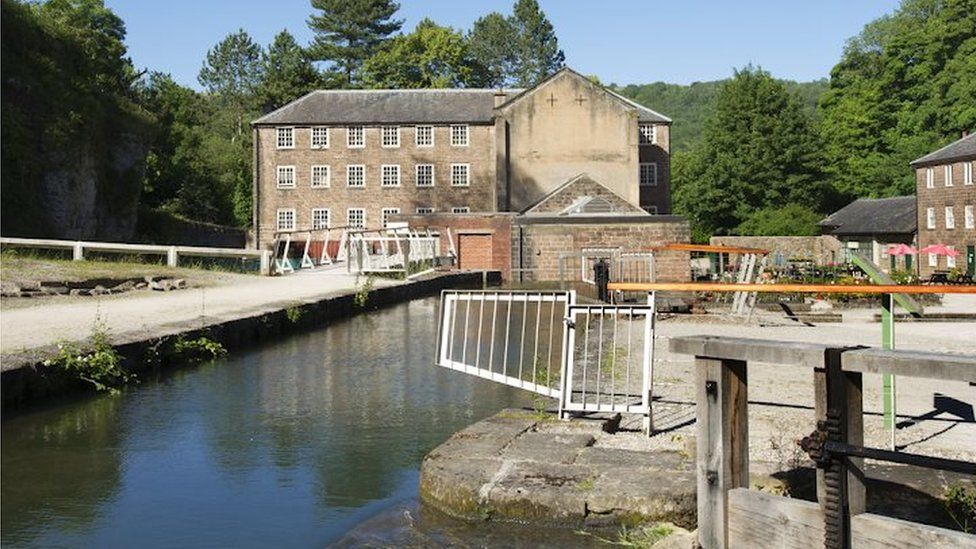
960 504
101 366
362 293
294 314
197 350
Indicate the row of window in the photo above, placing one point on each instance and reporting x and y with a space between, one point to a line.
389 137
286 219
647 134
321 176
950 218
648 174
967 175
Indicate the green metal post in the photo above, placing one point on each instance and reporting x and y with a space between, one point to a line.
888 380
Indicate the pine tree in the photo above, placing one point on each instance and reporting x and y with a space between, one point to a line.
348 32
233 67
287 73
491 43
537 52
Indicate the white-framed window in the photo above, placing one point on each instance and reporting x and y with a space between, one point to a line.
460 175
424 136
320 218
460 210
648 134
320 137
355 137
967 173
286 138
285 219
356 175
651 210
951 260
950 217
286 177
424 210
933 260
929 218
356 217
390 137
459 135
390 175
648 174
929 178
321 177
947 174
425 175
970 217
386 213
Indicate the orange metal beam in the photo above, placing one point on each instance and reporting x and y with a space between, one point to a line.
707 248
788 288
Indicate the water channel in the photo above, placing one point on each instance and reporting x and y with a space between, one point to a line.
310 441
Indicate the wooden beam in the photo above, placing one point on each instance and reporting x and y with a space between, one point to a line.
763 521
789 288
770 351
870 531
943 366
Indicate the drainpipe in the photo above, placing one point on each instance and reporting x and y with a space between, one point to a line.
521 265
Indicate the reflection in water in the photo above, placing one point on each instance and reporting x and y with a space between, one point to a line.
291 444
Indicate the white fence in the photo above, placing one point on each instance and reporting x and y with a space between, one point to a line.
172 253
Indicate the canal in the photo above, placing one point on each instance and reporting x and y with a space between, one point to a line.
306 442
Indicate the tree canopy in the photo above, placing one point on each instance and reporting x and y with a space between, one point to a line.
348 32
431 56
287 73
537 53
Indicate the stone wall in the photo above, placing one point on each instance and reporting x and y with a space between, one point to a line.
819 249
583 185
942 196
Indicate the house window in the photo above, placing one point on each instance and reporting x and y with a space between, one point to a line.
460 210
651 210
929 178
391 136
970 218
930 218
648 135
286 177
320 218
948 175
386 213
356 217
648 174
355 137
425 210
425 136
951 260
286 138
321 176
320 137
460 175
286 219
425 175
459 135
356 175
967 173
933 260
950 217
390 175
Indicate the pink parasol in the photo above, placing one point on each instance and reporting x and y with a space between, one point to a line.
901 249
939 249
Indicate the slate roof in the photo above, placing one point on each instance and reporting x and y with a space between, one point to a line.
873 216
962 149
467 106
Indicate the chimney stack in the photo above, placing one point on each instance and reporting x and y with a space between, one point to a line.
500 96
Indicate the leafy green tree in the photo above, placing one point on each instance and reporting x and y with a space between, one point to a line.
759 150
903 87
233 67
431 56
287 73
348 32
491 43
790 220
537 53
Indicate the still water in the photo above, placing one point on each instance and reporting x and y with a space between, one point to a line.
309 441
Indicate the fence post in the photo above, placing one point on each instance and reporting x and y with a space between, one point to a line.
888 380
78 252
265 263
171 257
722 427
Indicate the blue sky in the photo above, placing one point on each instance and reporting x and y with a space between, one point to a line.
621 41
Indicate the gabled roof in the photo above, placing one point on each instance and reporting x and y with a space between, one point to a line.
644 114
431 106
867 216
586 190
962 149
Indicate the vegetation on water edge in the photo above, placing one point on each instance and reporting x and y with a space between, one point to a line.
100 365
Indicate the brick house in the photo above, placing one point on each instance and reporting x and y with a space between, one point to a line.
359 157
946 198
870 226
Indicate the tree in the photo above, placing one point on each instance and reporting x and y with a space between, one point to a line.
790 220
233 67
760 150
348 32
903 87
490 42
537 52
431 56
287 73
